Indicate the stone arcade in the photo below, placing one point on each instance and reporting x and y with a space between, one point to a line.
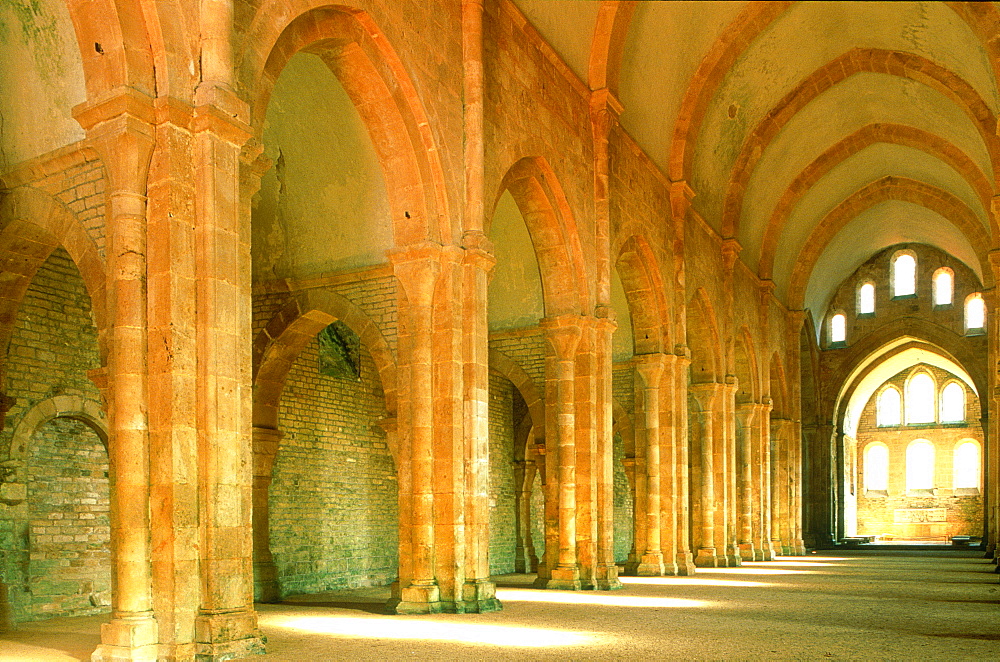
299 296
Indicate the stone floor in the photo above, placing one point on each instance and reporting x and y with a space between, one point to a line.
932 604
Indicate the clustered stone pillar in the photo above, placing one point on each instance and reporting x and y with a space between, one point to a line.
649 370
745 415
658 473
603 462
725 474
762 483
704 440
442 465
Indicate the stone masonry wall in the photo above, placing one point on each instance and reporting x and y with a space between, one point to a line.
502 514
54 556
333 499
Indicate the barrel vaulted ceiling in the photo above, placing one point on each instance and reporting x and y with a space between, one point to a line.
815 133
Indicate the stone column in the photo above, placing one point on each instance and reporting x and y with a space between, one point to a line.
649 370
550 512
780 529
478 592
638 519
585 448
121 130
725 468
991 406
762 480
795 487
707 554
745 415
524 550
416 270
226 623
669 520
607 569
563 336
680 473
265 573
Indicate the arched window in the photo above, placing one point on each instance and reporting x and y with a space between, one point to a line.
877 468
919 466
838 328
952 403
866 299
889 409
944 286
904 275
967 465
920 399
975 313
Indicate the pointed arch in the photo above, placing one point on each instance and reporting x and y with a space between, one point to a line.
359 55
753 20
882 190
779 388
866 136
747 374
115 46
33 225
610 31
525 385
554 235
284 337
854 61
646 294
704 341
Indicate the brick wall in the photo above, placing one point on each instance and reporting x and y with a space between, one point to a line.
333 499
69 572
54 555
877 512
502 515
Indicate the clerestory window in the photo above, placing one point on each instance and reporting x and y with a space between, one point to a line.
889 410
952 403
920 399
944 286
866 299
904 275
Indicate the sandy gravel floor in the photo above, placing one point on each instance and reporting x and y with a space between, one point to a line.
849 605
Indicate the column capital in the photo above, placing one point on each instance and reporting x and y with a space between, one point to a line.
746 413
730 251
650 368
706 393
120 127
416 267
478 250
563 333
680 199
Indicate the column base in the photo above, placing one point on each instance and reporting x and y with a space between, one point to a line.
227 635
733 561
798 548
707 558
607 578
651 565
562 579
685 564
416 599
480 597
128 639
748 552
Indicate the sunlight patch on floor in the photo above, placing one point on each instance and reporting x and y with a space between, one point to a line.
752 570
450 631
588 598
694 580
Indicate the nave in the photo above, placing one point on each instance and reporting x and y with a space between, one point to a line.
854 604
